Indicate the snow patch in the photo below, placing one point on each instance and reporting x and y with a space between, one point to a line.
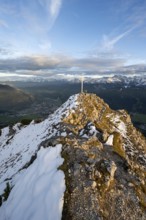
89 131
85 136
120 125
110 140
38 192
63 134
93 131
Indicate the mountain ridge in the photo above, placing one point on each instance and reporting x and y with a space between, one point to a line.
103 159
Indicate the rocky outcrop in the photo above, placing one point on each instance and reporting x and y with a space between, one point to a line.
104 163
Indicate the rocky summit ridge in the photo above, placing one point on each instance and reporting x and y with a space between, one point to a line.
104 160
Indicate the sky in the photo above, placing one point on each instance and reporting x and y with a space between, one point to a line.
52 38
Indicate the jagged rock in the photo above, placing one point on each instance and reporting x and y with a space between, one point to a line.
105 136
108 174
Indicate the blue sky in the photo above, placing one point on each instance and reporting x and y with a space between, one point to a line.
53 37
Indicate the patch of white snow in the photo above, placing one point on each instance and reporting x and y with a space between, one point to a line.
38 192
93 131
110 140
63 134
85 136
120 125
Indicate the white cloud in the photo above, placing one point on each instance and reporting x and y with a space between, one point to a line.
55 7
41 14
59 63
54 65
109 43
131 14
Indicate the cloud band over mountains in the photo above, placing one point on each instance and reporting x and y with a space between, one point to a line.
45 65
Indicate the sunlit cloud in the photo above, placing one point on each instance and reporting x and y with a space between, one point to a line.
59 66
59 62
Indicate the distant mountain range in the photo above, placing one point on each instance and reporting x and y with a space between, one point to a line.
116 79
124 80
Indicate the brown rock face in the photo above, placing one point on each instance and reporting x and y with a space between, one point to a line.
105 163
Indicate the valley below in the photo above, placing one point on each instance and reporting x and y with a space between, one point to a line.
37 100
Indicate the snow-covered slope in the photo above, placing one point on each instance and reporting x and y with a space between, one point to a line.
38 191
18 146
